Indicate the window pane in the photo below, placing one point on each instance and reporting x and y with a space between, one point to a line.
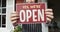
0 10
4 10
3 19
3 25
0 20
0 3
3 3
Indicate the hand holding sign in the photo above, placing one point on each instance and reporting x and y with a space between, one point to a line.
14 16
49 15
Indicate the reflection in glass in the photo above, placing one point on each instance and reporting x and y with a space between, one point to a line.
4 10
3 25
0 3
0 20
3 20
3 3
0 10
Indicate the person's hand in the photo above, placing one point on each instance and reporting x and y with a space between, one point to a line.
30 1
49 15
14 17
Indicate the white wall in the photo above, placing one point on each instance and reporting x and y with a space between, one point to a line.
10 8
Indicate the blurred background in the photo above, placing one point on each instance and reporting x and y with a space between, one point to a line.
55 25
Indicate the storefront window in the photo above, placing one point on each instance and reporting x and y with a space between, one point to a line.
2 13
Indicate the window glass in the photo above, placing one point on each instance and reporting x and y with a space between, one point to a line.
3 3
4 10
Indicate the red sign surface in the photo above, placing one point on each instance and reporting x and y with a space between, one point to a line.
31 13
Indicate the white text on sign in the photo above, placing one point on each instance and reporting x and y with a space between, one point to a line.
36 14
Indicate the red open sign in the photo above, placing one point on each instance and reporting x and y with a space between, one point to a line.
31 13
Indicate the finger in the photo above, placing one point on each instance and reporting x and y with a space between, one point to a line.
15 18
49 13
48 10
48 19
14 15
50 16
14 21
14 12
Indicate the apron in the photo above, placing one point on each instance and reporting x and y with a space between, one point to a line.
31 28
